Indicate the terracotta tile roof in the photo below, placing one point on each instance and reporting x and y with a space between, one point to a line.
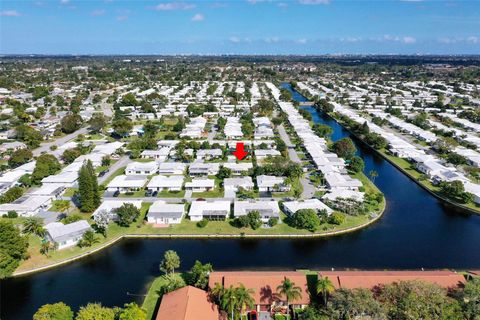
187 303
264 284
370 279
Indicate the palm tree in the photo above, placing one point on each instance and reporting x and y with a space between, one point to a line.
217 292
89 239
45 247
325 287
244 298
34 226
290 291
229 300
373 174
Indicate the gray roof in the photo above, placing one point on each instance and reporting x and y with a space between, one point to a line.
60 232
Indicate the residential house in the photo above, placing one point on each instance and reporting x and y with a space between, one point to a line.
267 209
210 210
203 169
200 185
110 206
166 183
141 168
272 183
125 183
264 286
291 207
187 303
66 235
161 212
171 168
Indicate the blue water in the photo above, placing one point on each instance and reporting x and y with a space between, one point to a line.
416 231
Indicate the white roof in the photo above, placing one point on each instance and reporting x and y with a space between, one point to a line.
59 231
315 204
124 181
161 181
201 207
200 183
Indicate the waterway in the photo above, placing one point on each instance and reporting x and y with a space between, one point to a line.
416 231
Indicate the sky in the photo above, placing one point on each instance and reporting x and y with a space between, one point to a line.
306 27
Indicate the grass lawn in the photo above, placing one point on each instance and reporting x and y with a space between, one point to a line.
407 167
152 297
296 185
171 194
69 192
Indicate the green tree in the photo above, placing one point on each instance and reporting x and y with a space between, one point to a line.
88 239
224 173
28 135
46 165
88 194
322 130
355 304
171 282
305 219
71 123
356 164
131 311
19 157
12 194
13 248
95 311
127 214
418 300
344 148
198 275
33 225
336 218
452 189
290 291
254 219
55 311
98 122
170 262
70 155
324 288
122 126
373 175
470 299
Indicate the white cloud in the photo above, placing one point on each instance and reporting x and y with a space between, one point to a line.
10 13
409 40
122 18
235 39
98 12
169 6
301 41
313 2
272 39
283 5
473 39
351 39
198 17
64 1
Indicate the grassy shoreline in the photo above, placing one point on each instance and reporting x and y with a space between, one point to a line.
188 230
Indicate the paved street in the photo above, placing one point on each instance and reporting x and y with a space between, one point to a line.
122 162
45 147
308 187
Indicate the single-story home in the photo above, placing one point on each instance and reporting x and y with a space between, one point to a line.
290 207
110 205
200 185
271 183
27 206
66 235
203 169
166 183
141 168
161 212
267 209
210 210
125 183
171 168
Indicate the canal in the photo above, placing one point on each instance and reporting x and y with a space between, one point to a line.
416 231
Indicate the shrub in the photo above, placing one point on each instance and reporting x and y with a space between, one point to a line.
12 214
202 223
336 218
272 221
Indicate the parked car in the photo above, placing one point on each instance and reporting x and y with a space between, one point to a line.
116 193
155 193
148 193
